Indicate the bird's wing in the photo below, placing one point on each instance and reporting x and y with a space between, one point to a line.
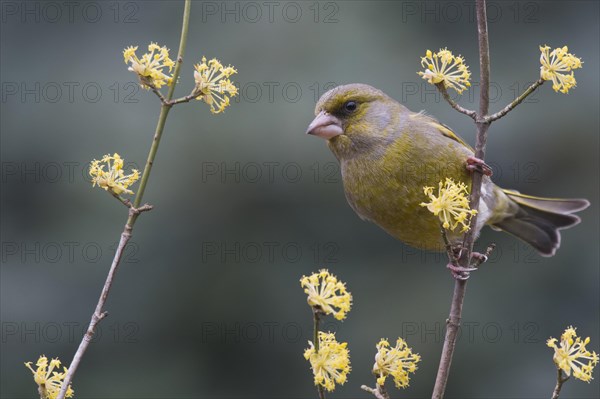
443 129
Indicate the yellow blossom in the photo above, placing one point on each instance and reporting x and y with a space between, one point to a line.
556 65
113 179
451 204
213 85
326 294
444 67
331 364
49 381
572 355
398 362
150 67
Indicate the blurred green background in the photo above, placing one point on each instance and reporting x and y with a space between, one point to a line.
207 303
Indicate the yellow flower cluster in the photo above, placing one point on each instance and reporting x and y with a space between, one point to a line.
451 204
113 179
556 66
331 364
444 67
150 67
571 355
213 85
398 362
49 381
326 294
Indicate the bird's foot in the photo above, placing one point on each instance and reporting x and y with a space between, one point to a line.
476 164
477 258
460 272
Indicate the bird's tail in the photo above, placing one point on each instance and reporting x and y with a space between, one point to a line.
537 220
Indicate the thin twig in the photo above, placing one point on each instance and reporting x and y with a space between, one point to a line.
379 392
559 383
516 102
134 211
162 119
159 94
143 208
182 45
470 113
460 286
185 99
452 325
98 314
124 201
164 110
449 250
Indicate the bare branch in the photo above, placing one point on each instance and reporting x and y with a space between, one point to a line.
470 113
516 102
134 211
559 383
143 208
162 98
460 286
185 99
124 201
379 392
98 314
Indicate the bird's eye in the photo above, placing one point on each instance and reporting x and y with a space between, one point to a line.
350 106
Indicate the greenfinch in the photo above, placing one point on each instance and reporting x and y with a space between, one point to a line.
387 156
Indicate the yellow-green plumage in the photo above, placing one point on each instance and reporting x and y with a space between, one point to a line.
388 154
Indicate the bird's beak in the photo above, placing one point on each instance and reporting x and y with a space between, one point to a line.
325 126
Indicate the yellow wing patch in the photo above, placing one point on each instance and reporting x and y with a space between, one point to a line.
450 134
443 129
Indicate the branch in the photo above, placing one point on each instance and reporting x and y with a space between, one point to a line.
185 99
160 126
449 250
98 314
452 325
470 113
460 286
164 111
559 383
516 102
134 211
182 44
379 392
124 201
482 127
159 94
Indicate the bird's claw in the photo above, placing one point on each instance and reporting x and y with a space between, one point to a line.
476 164
463 273
460 272
478 258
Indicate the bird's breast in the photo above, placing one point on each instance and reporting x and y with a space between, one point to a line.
387 189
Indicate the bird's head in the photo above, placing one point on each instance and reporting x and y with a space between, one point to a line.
353 117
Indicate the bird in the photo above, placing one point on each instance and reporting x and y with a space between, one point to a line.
388 154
